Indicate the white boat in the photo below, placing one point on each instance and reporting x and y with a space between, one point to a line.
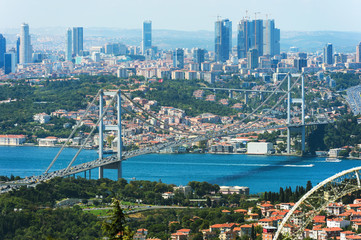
333 160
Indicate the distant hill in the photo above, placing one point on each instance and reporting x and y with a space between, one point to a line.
169 39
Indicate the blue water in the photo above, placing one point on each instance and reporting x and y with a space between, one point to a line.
259 173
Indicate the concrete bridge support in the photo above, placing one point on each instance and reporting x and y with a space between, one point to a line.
117 128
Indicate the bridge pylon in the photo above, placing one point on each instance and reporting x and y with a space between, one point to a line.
118 128
289 102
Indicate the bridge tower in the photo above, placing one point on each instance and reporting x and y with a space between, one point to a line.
118 128
289 102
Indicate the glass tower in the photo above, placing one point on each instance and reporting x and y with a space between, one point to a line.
147 36
328 54
223 40
2 50
178 58
77 40
68 50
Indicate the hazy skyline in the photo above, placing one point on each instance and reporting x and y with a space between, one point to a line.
298 15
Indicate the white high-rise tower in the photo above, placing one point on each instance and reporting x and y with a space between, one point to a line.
25 45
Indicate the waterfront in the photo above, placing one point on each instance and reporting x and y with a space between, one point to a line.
260 173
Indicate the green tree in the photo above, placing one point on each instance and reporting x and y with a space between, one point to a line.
114 227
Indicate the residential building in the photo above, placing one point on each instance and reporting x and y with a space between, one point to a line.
178 58
358 53
12 140
252 59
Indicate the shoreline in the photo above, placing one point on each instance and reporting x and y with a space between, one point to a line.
268 155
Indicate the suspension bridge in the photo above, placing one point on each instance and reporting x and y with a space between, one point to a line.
185 137
309 205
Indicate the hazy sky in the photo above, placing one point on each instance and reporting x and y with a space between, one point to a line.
299 15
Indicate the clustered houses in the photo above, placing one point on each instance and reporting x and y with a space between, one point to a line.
339 222
140 134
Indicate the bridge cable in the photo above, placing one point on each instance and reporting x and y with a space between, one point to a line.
153 116
274 106
93 129
73 132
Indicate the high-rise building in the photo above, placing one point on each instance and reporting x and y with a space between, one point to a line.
249 36
26 50
178 58
17 50
2 50
10 62
358 53
252 58
77 40
147 36
271 38
328 54
68 47
223 40
198 55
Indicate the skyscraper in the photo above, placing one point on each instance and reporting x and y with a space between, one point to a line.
10 62
17 50
252 58
250 35
198 55
68 50
147 36
223 39
2 50
77 40
271 38
358 53
178 58
26 50
328 54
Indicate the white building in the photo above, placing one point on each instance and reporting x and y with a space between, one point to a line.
259 148
12 140
337 222
41 118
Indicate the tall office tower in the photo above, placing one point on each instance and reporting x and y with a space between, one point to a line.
271 38
26 50
178 58
9 63
358 53
17 50
2 50
68 50
223 40
250 35
252 58
77 40
198 55
147 36
328 54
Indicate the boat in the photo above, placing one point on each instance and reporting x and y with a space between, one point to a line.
333 160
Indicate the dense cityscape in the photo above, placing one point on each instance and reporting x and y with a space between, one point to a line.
245 96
